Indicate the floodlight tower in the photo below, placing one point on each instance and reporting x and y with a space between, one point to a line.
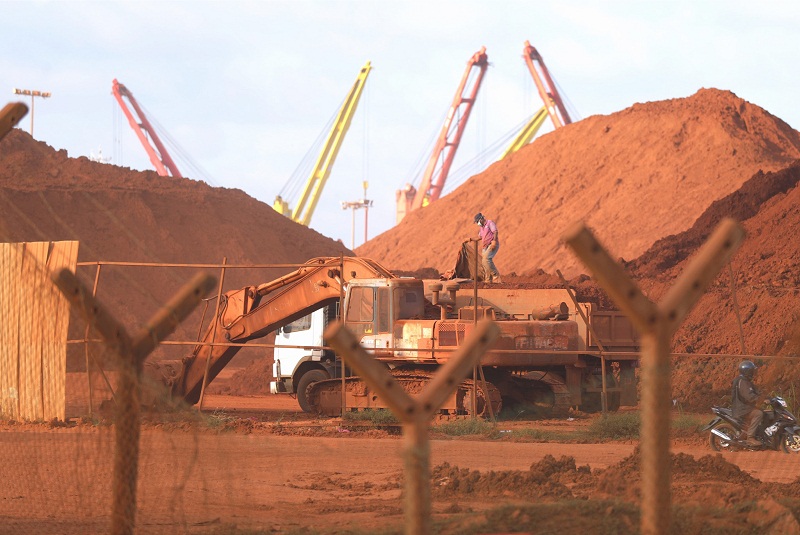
32 93
355 205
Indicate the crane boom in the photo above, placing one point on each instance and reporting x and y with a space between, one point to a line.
159 156
552 100
444 151
527 133
322 168
548 92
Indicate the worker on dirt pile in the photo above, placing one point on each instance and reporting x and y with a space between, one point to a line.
490 243
745 396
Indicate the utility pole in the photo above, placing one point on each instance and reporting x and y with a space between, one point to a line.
32 93
355 205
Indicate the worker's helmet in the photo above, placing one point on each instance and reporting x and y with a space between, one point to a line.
747 368
478 217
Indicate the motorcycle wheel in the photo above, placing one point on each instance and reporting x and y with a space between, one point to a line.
790 443
719 444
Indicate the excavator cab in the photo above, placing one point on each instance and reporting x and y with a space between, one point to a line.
372 306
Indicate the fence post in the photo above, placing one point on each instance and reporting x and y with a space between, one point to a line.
214 322
414 413
130 353
10 115
657 324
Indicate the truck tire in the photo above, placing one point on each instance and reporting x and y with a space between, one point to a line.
311 376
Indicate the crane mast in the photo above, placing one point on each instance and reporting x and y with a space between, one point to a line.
322 168
159 156
444 151
549 94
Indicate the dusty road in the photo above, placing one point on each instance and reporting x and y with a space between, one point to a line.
198 481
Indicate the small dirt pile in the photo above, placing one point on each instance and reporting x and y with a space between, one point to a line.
634 176
731 499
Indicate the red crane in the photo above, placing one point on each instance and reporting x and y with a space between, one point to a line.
447 144
159 156
549 93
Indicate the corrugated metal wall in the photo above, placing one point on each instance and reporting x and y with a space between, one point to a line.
34 318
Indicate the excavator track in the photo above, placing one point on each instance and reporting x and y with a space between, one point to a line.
325 397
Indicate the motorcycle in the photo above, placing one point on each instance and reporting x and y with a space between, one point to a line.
779 430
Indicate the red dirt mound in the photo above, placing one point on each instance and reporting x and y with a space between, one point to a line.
760 288
635 176
118 214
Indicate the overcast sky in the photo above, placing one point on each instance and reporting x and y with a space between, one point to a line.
245 89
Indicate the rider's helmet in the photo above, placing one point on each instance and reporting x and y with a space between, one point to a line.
747 368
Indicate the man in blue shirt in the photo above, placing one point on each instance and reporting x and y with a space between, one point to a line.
490 243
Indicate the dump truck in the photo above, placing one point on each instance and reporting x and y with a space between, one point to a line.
552 350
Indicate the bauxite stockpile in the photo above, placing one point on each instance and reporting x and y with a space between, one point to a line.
634 177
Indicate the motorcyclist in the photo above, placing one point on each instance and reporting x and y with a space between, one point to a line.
745 396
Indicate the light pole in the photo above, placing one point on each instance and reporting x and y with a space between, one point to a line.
355 205
43 94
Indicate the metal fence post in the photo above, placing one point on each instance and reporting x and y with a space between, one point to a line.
415 413
657 324
130 353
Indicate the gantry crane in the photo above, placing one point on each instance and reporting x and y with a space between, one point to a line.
322 168
444 151
159 156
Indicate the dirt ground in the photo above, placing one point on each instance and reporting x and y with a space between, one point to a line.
258 465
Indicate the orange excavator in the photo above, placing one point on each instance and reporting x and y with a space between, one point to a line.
548 352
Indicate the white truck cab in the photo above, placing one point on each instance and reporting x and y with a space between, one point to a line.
298 343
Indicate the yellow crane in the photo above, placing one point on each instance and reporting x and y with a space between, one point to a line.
322 168
527 133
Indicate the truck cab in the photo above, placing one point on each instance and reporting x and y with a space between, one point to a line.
372 310
298 346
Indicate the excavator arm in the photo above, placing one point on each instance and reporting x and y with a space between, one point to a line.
254 311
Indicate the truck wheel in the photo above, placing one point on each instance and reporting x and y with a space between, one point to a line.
311 376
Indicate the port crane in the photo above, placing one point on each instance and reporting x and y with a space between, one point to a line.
444 151
312 189
553 103
159 156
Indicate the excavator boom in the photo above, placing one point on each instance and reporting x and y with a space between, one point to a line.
254 311
159 156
